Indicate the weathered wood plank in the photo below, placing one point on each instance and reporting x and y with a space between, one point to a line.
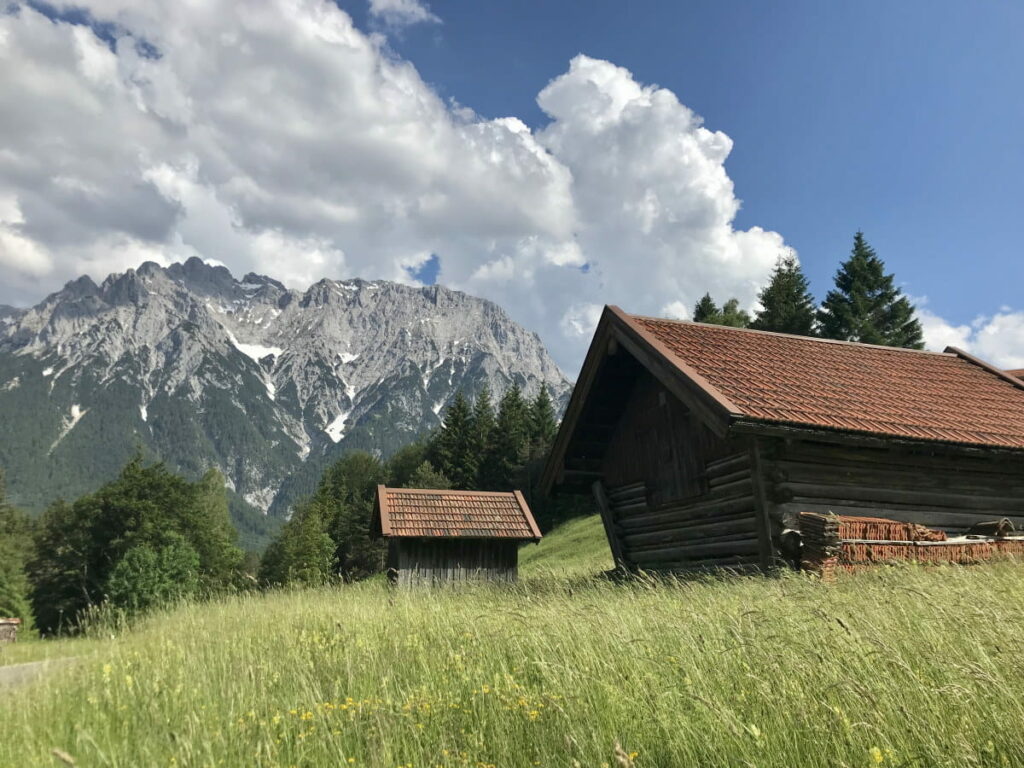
726 465
712 509
741 523
786 491
610 528
764 529
911 478
749 546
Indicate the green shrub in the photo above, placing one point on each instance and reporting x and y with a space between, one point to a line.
148 577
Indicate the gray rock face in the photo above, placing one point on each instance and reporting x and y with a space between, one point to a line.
262 382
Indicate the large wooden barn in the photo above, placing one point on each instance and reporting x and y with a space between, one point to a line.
703 444
442 536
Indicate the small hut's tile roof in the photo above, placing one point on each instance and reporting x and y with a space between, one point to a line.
408 512
772 377
1019 373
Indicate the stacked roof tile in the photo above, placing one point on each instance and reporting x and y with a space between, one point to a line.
795 380
407 512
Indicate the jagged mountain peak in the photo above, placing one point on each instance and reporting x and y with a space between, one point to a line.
264 382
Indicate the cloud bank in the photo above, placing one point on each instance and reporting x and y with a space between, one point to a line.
277 137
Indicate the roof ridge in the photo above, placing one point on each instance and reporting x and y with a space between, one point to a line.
433 491
794 336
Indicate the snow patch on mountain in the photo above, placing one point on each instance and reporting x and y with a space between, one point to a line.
70 421
257 352
336 429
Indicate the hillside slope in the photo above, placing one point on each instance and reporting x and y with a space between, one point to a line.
897 667
576 547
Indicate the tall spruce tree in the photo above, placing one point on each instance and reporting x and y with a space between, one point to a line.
706 310
455 452
541 422
509 442
866 306
787 305
483 425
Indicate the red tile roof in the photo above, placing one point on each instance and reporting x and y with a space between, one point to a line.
408 512
772 377
1019 373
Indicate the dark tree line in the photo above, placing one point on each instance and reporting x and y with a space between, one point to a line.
483 449
865 305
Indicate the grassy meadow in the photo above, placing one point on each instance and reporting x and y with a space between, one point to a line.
897 667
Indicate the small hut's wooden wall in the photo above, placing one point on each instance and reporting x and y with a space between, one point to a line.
436 561
936 488
9 630
696 508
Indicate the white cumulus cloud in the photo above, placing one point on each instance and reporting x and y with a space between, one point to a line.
402 12
277 137
997 338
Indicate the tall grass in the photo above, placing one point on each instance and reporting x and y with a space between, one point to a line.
578 547
896 667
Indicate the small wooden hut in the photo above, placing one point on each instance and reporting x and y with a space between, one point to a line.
9 630
442 536
702 445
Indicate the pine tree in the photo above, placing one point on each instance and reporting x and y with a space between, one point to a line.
509 441
347 498
787 305
866 306
456 455
706 310
542 423
483 426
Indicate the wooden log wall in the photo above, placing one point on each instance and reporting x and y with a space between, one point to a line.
948 492
660 443
714 529
438 561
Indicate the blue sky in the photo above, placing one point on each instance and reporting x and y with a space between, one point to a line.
901 119
550 156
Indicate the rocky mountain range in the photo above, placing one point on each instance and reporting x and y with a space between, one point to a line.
199 369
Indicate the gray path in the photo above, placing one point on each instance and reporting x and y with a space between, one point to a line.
18 674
